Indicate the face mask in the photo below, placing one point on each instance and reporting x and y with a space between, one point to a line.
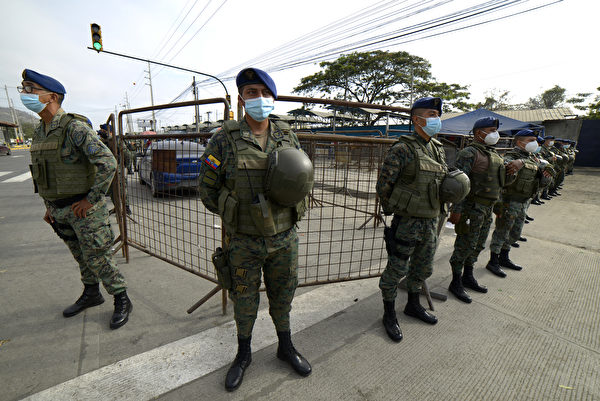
433 126
531 146
259 108
551 143
32 102
537 150
492 138
565 146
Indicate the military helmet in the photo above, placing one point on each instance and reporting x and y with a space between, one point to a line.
290 176
455 186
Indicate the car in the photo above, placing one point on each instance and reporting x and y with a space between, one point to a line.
4 149
170 165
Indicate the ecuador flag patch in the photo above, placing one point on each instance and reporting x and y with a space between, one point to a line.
212 161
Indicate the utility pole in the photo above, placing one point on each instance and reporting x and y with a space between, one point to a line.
197 107
129 122
151 97
13 114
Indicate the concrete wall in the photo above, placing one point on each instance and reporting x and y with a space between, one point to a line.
567 129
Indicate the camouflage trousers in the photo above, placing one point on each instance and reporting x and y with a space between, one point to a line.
509 225
274 257
471 233
412 256
90 239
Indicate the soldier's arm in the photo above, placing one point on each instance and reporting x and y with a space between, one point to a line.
395 161
88 142
464 162
212 172
514 159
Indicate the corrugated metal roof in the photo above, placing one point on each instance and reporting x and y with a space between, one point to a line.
530 116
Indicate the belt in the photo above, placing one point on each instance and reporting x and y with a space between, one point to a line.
64 202
482 201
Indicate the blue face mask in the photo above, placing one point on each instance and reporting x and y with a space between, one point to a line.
538 149
259 108
433 126
32 102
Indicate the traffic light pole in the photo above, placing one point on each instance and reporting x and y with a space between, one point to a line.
227 97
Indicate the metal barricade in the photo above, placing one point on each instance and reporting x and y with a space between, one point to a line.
340 238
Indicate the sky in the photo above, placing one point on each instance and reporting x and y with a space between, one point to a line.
524 54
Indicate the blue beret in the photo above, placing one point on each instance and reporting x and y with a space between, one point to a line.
44 81
548 137
540 139
525 132
104 127
250 76
428 103
486 122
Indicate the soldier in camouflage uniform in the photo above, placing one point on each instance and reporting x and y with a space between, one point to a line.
408 187
472 217
547 154
72 170
232 182
106 136
511 211
561 166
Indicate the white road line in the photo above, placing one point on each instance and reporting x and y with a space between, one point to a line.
19 178
155 372
4 173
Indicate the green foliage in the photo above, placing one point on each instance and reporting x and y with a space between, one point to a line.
380 77
496 99
592 108
549 99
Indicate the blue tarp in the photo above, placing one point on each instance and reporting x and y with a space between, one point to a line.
464 123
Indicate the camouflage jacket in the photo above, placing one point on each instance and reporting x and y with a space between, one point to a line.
396 159
81 143
213 174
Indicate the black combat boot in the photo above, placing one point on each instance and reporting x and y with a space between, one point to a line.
554 193
242 360
413 308
286 352
390 321
546 197
123 308
456 287
515 244
522 239
91 297
504 261
529 218
469 281
494 265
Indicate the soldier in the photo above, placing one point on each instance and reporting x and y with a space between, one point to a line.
408 187
563 160
72 170
511 211
547 154
259 222
473 216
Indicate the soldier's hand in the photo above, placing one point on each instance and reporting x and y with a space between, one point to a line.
80 208
514 166
454 218
48 217
547 174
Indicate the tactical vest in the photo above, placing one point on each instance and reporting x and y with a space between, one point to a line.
242 204
486 186
416 193
526 183
53 178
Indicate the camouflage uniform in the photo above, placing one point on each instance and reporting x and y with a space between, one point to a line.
476 215
510 212
276 256
416 237
90 238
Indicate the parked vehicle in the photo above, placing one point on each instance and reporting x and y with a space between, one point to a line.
170 165
4 149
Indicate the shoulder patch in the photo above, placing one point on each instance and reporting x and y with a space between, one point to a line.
212 162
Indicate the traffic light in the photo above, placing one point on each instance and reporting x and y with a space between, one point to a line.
96 37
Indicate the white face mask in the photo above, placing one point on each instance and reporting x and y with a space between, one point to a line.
551 143
531 146
492 138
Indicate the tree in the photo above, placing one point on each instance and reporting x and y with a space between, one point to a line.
592 108
548 99
496 99
380 77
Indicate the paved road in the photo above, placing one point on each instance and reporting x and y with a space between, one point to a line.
535 335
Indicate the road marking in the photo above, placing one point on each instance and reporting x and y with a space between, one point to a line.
155 372
5 173
19 178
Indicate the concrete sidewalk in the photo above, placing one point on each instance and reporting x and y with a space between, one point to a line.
535 335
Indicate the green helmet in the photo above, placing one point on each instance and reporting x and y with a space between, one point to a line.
290 176
455 186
